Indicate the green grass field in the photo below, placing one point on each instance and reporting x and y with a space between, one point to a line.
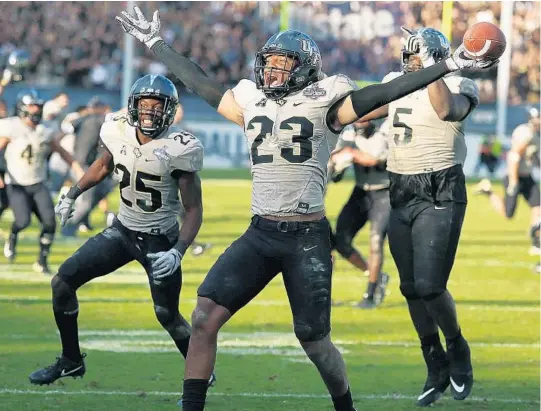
132 365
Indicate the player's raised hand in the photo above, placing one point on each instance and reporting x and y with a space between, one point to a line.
64 209
411 41
461 60
147 32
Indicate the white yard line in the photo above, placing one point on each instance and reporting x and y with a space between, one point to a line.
9 391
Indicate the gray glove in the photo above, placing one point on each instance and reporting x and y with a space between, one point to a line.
147 32
164 264
64 209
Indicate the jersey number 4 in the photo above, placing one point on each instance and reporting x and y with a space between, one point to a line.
303 138
140 187
27 154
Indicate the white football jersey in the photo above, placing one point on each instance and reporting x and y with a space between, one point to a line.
290 144
526 134
27 152
419 142
369 178
150 200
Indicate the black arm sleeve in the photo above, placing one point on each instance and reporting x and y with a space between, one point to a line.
372 97
190 74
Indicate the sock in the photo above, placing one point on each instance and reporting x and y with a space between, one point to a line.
371 289
67 325
45 242
344 402
182 346
430 340
453 340
194 394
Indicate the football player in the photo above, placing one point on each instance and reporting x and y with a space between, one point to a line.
292 121
428 199
366 148
28 145
154 162
521 159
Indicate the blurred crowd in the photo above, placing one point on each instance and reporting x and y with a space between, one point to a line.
80 44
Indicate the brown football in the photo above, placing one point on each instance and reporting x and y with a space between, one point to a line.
484 41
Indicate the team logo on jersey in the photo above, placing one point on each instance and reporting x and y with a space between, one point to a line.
314 91
162 155
261 103
123 149
137 152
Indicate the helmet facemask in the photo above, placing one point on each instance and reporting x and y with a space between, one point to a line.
154 120
276 80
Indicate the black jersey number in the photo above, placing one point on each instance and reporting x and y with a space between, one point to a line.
140 187
28 154
303 138
408 135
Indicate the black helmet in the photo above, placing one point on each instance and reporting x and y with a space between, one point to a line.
306 69
27 98
438 46
153 86
17 63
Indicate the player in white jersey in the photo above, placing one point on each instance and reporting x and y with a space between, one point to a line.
28 144
365 147
428 198
521 159
154 162
292 119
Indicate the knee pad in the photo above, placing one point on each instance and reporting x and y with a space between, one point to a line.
408 290
46 238
164 315
306 332
64 297
343 245
428 290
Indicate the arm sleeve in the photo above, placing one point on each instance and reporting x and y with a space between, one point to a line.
190 74
372 97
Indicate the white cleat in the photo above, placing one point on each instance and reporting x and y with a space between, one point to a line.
484 187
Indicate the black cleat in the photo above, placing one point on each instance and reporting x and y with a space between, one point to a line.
437 380
367 303
461 368
63 367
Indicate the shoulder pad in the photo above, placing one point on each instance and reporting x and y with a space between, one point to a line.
186 151
391 76
246 91
113 128
464 86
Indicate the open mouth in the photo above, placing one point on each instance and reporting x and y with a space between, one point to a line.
147 122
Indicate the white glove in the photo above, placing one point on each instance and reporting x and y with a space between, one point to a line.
164 264
460 60
144 31
64 209
411 41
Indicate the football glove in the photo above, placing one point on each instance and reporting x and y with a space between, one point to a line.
460 60
64 209
411 41
147 32
164 264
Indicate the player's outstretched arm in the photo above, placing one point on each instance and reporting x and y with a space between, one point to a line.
96 173
361 102
210 90
189 185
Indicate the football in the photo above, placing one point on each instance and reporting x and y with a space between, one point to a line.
484 41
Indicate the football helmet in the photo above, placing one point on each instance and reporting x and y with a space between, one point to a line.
17 64
158 87
28 98
438 46
306 68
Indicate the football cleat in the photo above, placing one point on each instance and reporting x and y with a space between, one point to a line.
484 187
461 370
437 379
63 367
9 248
367 303
41 267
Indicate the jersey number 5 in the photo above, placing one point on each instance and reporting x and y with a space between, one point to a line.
303 138
140 187
408 135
